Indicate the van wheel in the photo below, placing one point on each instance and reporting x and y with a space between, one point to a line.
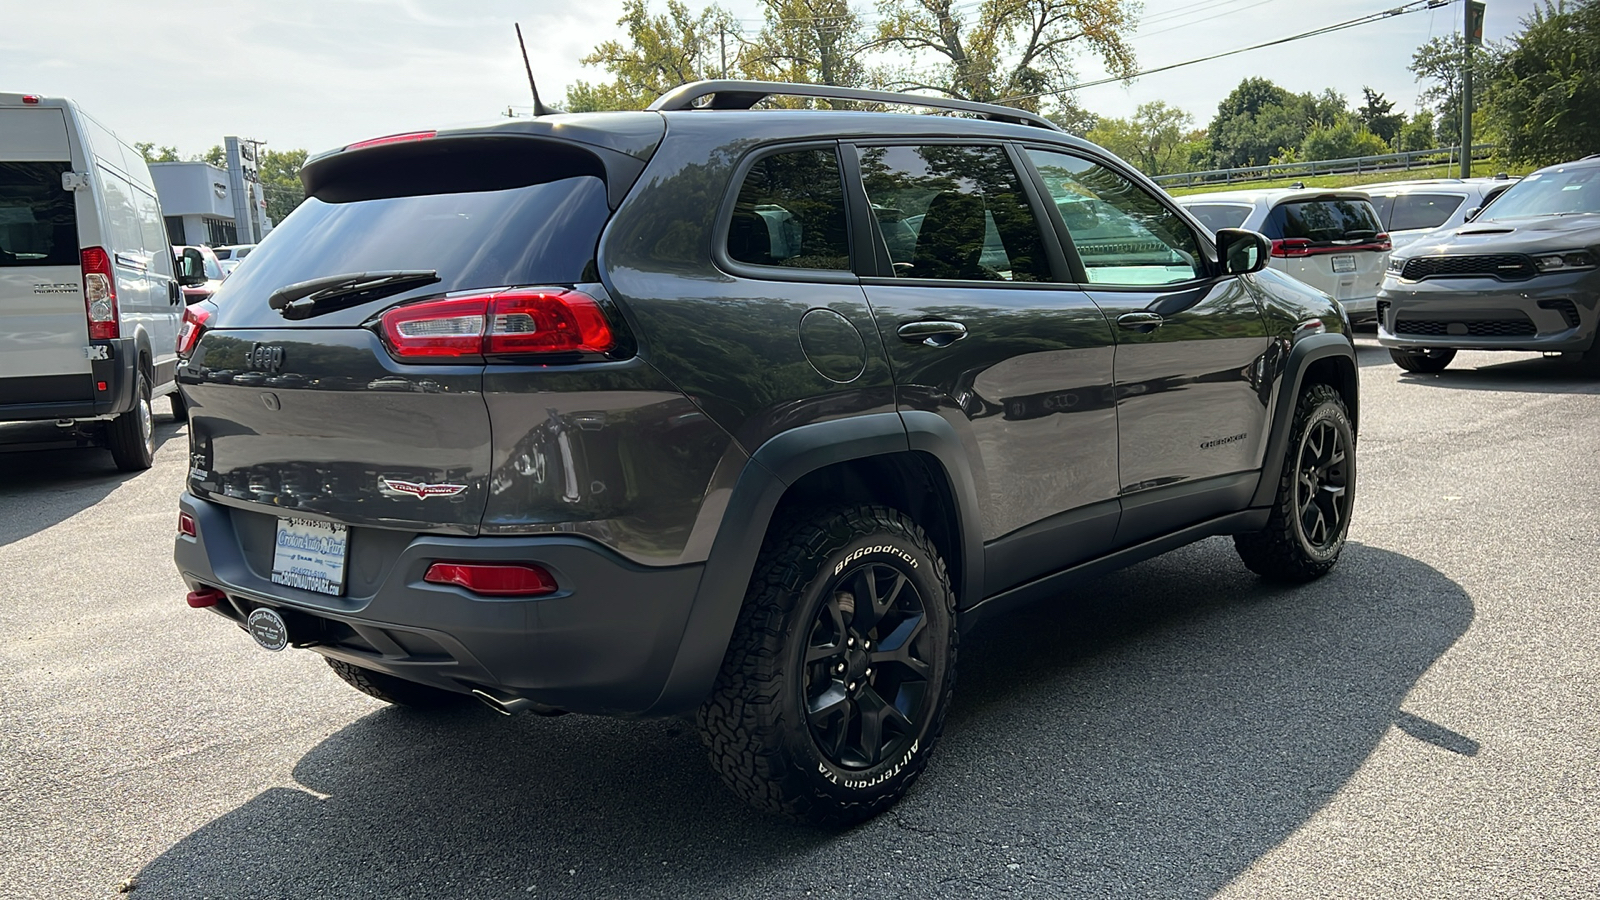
132 435
840 670
1316 492
1425 361
180 406
394 690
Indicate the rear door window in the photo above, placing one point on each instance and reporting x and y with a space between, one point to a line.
38 220
1326 221
1219 215
790 212
1413 211
953 212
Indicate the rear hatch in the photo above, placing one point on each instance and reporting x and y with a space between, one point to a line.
43 327
357 396
1333 242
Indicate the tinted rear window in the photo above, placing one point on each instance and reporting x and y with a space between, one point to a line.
539 234
1219 215
1422 210
38 222
1337 219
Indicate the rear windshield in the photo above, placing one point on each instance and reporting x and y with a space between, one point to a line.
1324 221
1219 215
539 234
1413 211
38 222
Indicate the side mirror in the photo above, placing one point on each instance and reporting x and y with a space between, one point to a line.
1473 213
191 268
1241 251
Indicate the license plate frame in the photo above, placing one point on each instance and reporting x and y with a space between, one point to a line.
311 555
1344 264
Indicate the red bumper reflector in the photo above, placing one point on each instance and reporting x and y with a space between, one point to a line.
186 524
493 580
205 597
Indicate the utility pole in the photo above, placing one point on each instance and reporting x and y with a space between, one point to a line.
1472 31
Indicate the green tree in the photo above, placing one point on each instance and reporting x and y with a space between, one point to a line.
1417 134
1378 115
1002 50
1155 140
807 42
660 53
1072 118
153 154
1439 63
1342 141
215 156
1543 91
1259 121
279 172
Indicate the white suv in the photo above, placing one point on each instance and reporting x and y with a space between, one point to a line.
89 305
1411 209
1332 240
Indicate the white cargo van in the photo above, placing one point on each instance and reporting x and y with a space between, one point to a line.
89 305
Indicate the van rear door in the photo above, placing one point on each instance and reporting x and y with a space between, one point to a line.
43 329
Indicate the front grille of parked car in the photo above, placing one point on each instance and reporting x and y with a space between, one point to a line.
1568 311
1481 328
1504 265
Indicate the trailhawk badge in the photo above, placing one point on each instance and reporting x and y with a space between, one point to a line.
422 491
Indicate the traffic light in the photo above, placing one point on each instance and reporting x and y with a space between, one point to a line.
1475 10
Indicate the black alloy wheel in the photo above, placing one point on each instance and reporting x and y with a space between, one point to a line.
866 672
1322 494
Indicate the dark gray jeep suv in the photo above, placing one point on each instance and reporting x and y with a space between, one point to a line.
747 413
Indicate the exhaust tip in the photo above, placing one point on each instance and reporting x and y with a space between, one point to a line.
513 705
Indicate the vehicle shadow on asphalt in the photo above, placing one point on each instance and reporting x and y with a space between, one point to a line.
39 488
1153 736
1537 375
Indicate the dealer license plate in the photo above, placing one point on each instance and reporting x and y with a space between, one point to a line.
309 555
1344 264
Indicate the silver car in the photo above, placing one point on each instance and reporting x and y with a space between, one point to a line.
1410 210
1329 239
1522 275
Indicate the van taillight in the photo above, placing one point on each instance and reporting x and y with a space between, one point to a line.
1291 248
194 322
99 294
516 322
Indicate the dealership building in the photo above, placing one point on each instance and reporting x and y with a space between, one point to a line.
207 205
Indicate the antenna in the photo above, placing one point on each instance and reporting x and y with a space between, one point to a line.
539 109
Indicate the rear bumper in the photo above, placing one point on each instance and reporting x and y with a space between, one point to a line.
76 396
1552 313
605 643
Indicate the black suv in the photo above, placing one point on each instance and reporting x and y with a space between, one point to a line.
747 413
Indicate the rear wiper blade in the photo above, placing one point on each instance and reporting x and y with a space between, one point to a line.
304 299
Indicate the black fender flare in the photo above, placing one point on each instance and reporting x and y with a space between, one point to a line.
1307 350
776 465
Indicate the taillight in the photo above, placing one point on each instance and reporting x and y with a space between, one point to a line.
393 139
493 579
194 322
30 99
1291 248
1382 242
99 294
515 322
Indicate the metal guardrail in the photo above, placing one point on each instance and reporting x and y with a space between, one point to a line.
1386 162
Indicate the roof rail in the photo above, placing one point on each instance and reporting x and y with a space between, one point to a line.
746 94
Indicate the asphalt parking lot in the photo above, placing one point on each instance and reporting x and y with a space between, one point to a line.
1424 722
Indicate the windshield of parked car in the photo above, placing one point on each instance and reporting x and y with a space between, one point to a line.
1561 192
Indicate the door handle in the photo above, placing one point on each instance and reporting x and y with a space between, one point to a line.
933 334
1140 321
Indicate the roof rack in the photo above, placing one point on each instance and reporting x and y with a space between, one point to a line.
746 94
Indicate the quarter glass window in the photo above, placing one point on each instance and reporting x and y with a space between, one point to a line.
790 212
953 212
1123 234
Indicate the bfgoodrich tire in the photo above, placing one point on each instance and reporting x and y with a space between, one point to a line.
836 682
1316 492
132 435
394 690
1425 361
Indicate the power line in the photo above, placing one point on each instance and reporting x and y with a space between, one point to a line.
1414 6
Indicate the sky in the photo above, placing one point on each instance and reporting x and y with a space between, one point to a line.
318 74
